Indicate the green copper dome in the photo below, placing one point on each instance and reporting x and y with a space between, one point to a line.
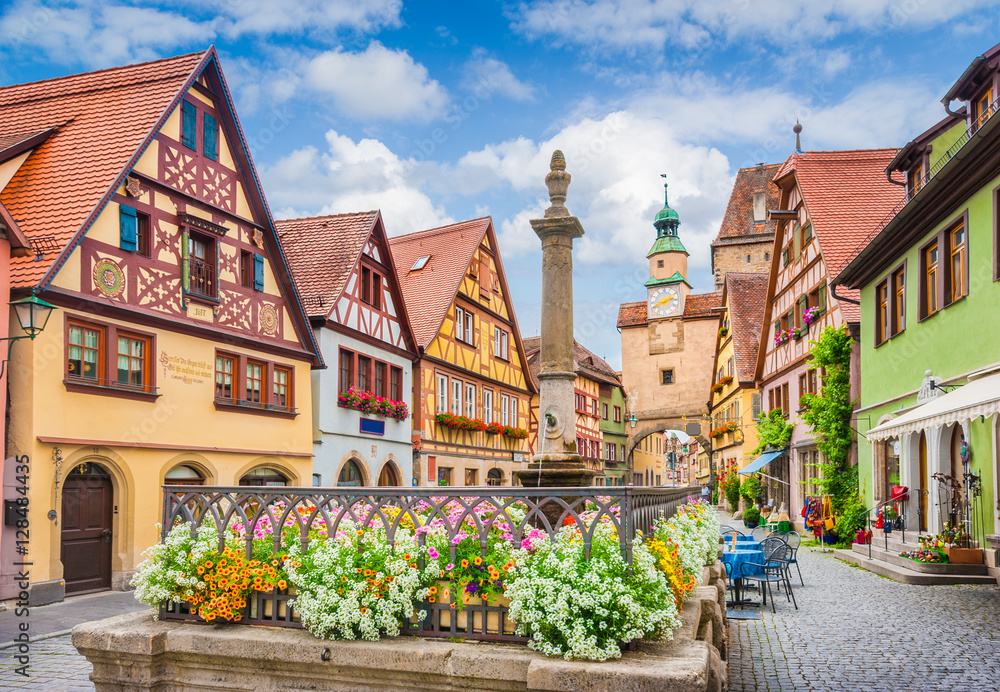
666 223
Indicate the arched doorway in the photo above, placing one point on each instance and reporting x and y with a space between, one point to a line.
494 477
85 540
264 476
350 474
922 479
183 474
388 476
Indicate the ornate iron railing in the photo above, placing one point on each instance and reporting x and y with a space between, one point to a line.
630 510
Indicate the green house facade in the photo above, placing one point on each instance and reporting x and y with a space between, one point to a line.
930 302
613 435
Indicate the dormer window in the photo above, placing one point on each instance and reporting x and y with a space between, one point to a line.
915 179
982 108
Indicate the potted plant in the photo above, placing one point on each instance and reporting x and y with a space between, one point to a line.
751 517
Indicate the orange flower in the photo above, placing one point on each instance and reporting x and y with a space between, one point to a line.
208 564
432 590
431 599
282 584
465 563
478 561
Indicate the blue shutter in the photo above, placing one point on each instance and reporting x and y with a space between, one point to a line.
258 272
211 137
189 124
129 227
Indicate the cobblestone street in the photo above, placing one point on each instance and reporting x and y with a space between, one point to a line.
858 631
55 667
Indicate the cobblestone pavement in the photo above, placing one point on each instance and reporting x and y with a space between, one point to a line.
855 630
55 667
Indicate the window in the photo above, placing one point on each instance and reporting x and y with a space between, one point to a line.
225 367
659 264
255 382
593 407
618 414
264 477
731 366
899 300
442 394
915 179
201 266
456 397
513 411
183 475
785 410
189 125
379 379
395 383
346 370
487 406
364 373
759 210
500 343
767 256
252 270
471 476
604 411
929 283
982 108
371 287
882 313
210 137
464 323
817 297
494 477
444 475
84 354
959 263
667 376
755 405
350 474
784 257
420 263
282 387
504 409
134 230
470 400
132 361
748 259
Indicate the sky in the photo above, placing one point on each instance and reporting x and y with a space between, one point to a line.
438 112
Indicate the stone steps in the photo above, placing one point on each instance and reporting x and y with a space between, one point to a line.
888 565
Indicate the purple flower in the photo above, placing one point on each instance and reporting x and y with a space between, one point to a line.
472 587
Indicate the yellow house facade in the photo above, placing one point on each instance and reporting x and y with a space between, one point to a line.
178 353
472 393
734 401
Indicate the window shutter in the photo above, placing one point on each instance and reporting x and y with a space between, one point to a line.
189 125
803 304
822 297
258 272
211 136
129 227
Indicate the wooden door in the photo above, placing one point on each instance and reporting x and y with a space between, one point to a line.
923 482
87 507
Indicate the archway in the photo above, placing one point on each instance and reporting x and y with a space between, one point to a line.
350 474
264 476
494 477
183 474
388 476
87 528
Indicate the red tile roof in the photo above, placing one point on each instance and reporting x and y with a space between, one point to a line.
429 292
585 362
738 224
847 195
101 119
746 293
701 304
632 314
322 252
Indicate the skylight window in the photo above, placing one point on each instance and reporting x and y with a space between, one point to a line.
420 263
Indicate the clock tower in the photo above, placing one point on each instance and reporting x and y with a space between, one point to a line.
667 287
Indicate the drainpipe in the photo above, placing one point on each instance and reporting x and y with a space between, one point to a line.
842 299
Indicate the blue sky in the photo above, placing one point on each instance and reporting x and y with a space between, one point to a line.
437 112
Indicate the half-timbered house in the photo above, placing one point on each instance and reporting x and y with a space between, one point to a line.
828 202
594 390
342 266
179 352
471 391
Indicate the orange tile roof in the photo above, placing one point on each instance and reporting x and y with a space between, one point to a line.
746 293
322 252
102 119
585 362
847 195
632 314
701 304
429 292
738 224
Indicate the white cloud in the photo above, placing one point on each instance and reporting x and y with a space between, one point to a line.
636 24
377 83
287 16
487 76
351 176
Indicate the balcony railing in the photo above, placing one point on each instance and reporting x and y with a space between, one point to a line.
202 278
241 511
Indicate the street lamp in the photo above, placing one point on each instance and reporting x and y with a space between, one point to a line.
633 420
32 315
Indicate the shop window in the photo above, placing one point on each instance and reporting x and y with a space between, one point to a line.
494 477
444 475
183 475
471 476
350 474
265 477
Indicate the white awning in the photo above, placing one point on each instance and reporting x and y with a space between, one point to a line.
980 397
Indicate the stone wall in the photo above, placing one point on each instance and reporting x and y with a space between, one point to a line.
136 652
733 258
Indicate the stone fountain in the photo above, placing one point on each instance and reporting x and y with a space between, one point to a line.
558 462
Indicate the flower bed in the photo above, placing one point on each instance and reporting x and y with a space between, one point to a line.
363 570
366 402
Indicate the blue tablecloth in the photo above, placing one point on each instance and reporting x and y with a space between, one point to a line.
743 543
736 558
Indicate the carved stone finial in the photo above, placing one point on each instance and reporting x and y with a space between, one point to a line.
558 182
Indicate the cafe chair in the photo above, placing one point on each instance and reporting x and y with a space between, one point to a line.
774 570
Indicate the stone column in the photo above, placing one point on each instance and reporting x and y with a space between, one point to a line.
558 462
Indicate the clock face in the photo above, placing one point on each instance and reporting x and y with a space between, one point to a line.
664 302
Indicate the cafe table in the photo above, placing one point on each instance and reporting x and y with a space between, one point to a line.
737 559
